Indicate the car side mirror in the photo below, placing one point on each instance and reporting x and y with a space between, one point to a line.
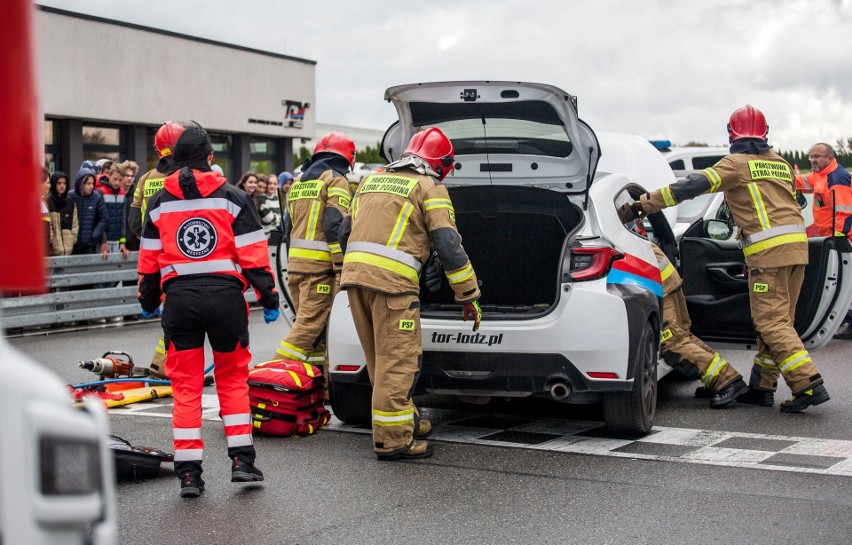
718 229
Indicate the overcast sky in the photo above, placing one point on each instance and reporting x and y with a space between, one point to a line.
658 69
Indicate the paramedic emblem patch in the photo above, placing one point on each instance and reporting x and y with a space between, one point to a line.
196 238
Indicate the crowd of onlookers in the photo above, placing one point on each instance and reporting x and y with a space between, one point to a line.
88 214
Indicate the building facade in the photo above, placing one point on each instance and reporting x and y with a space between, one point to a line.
106 86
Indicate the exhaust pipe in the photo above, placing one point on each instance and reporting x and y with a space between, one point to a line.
558 387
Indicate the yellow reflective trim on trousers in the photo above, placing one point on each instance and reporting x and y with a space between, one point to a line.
316 255
461 275
667 272
773 242
714 178
765 361
401 224
393 418
383 263
311 231
796 360
403 412
668 198
759 207
161 347
713 370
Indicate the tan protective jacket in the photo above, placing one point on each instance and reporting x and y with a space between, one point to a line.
314 247
149 183
397 218
760 193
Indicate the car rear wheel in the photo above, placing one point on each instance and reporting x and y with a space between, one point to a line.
350 403
633 412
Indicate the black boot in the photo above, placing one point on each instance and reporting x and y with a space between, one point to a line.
242 465
191 483
728 394
801 401
757 397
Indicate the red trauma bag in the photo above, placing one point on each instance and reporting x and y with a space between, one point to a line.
286 398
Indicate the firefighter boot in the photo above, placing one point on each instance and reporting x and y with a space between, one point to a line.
243 469
191 484
728 394
753 396
424 429
812 396
417 450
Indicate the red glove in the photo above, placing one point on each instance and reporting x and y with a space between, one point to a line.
472 310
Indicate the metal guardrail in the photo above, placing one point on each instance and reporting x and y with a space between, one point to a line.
82 288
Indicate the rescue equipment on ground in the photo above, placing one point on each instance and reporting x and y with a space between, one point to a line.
122 383
286 398
136 463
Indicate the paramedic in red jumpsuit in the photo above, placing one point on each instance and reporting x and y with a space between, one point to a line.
203 245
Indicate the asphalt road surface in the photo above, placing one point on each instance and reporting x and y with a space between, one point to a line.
522 471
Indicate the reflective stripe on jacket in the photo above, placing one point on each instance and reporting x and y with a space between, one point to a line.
760 193
396 219
316 209
213 232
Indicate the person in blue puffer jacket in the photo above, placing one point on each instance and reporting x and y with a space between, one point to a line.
92 213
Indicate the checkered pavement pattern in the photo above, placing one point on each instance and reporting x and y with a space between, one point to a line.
721 448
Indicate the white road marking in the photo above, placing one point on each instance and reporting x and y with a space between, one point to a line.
801 454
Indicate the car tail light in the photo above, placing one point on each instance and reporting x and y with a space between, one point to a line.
347 368
602 374
590 263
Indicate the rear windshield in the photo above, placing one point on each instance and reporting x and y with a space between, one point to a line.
524 128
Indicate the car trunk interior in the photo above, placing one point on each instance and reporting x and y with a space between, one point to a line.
514 237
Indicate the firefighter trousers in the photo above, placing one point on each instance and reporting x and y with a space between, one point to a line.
312 296
773 294
220 313
389 329
688 354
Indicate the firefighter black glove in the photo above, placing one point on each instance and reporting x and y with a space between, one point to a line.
432 273
630 211
472 310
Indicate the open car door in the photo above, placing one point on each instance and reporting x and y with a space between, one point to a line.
717 291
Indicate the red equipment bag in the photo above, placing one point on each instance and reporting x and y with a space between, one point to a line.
286 398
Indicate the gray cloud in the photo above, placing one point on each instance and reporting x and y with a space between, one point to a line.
653 68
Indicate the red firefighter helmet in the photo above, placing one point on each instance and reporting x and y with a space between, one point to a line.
747 122
166 138
339 143
435 148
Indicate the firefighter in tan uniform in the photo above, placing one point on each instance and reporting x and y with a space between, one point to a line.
152 181
396 219
317 203
760 192
687 353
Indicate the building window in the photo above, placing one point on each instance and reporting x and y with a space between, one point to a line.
263 156
223 155
51 145
103 142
